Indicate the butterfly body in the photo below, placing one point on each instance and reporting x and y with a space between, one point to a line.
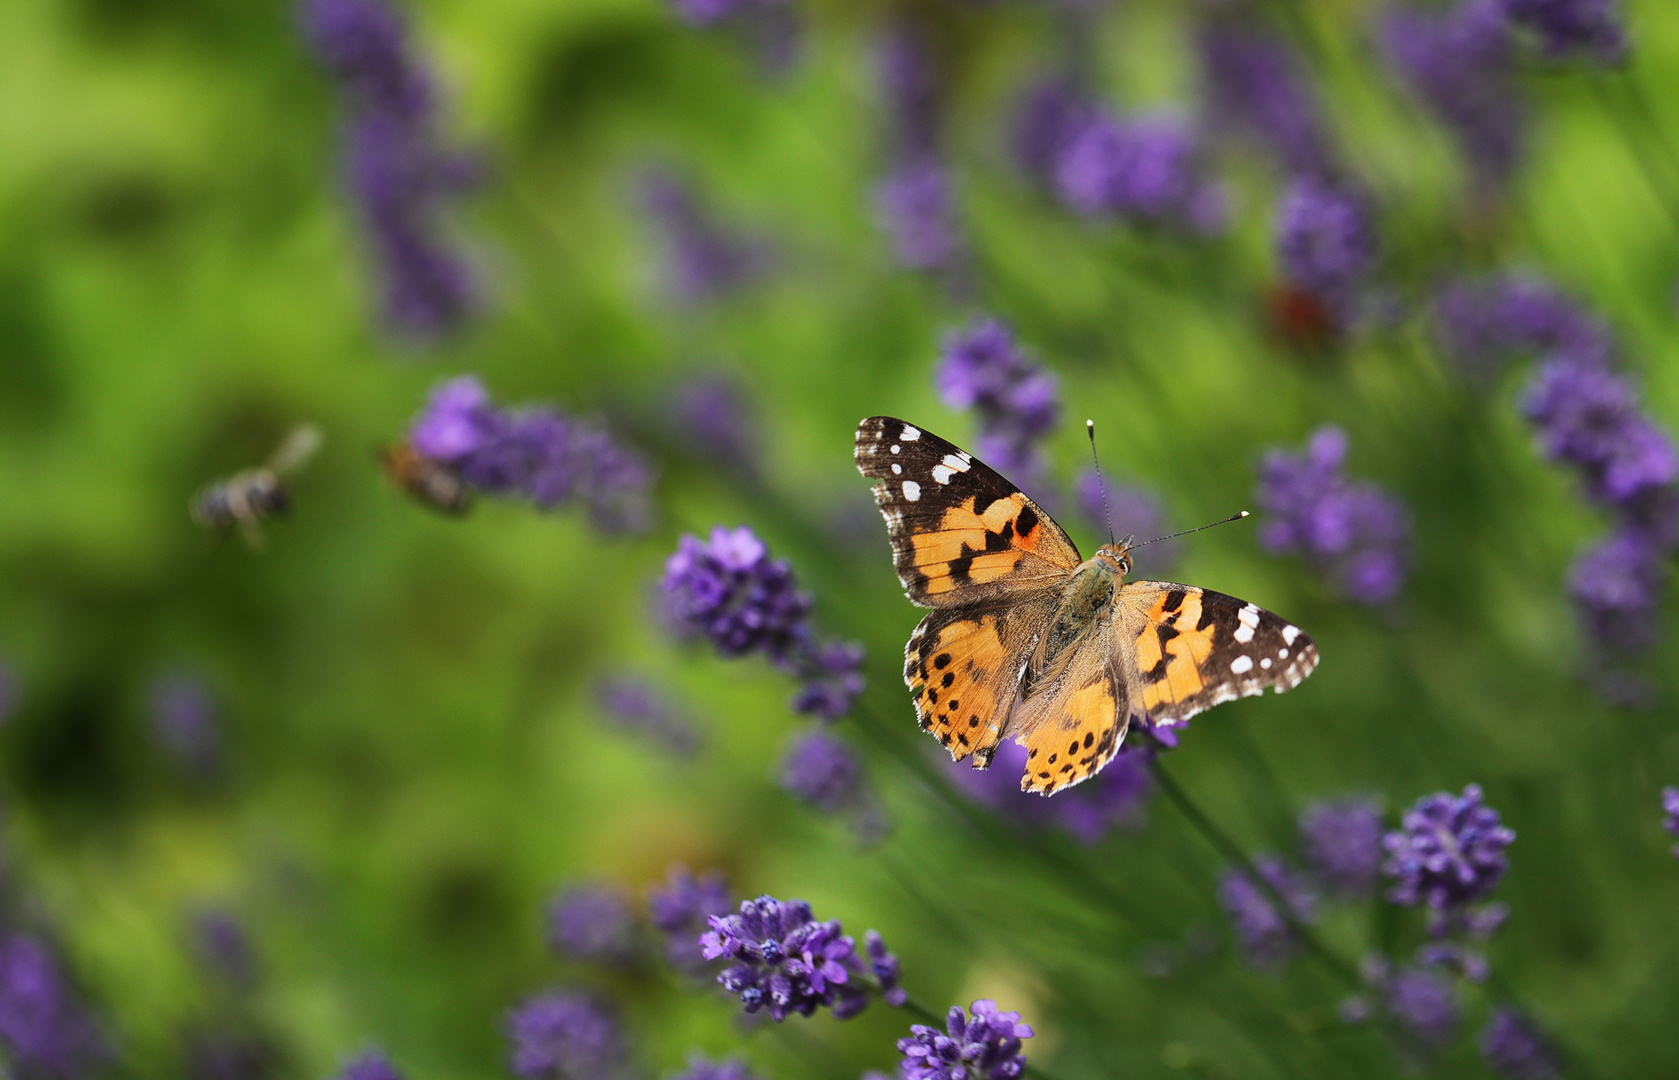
1027 640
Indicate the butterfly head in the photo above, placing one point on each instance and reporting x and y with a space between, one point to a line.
1115 556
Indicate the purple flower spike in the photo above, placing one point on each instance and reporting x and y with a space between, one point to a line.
1482 325
784 961
1146 170
632 704
1670 814
916 207
1617 586
1515 1048
1325 243
1353 533
1461 62
592 923
983 1046
1573 29
1589 417
884 965
1449 853
1343 844
730 590
701 1069
186 724
682 911
1254 84
370 1064
1048 117
44 1029
822 771
559 1036
1017 401
705 260
1426 1004
1266 938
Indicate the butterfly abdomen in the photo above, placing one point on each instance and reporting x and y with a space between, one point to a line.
1086 597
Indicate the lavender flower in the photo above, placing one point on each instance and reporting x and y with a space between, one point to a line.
822 771
784 961
715 421
632 704
1616 586
1461 62
831 678
564 1036
983 1046
370 1064
536 453
1568 29
701 1069
1267 939
1048 117
916 206
1589 417
1670 814
1449 852
705 260
1325 243
1254 83
984 369
1515 1048
1343 844
911 90
44 1029
185 723
397 174
1482 325
1354 533
731 591
682 911
1136 511
1117 798
1146 170
592 923
884 966
222 946
1425 1004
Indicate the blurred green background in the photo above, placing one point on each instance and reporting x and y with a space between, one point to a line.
415 761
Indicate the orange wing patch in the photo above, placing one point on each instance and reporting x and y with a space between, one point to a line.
977 546
958 670
1172 648
1079 734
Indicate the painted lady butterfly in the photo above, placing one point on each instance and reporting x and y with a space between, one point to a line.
1028 641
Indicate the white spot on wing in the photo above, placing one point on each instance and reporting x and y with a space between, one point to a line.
1243 633
910 434
957 462
1290 633
897 449
942 474
1266 663
1248 617
897 470
1241 665
1282 654
912 490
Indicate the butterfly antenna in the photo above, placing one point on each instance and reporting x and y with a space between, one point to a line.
1186 532
1101 485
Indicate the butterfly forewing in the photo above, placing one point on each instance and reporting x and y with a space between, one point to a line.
960 532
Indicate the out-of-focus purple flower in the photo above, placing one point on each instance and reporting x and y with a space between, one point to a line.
1325 242
1354 533
729 589
699 1068
1670 814
1342 842
592 923
1573 29
831 678
1266 938
536 453
1143 169
784 961
632 703
370 1064
1426 1004
1616 585
1116 798
822 771
45 1030
682 911
983 1046
1048 117
715 421
398 175
1449 853
185 723
1515 1048
1136 512
707 12
222 946
1017 401
1461 61
705 260
1482 325
884 966
1254 84
564 1036
916 206
1589 417
911 89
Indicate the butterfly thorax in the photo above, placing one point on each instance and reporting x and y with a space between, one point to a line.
1084 604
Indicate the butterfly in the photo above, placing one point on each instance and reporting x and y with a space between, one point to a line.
1027 640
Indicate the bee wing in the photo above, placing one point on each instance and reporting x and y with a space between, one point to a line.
298 448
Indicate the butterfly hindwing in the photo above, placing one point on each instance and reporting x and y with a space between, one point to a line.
1194 648
960 532
963 666
1074 726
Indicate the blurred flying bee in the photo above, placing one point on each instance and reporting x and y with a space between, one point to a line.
426 479
248 497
